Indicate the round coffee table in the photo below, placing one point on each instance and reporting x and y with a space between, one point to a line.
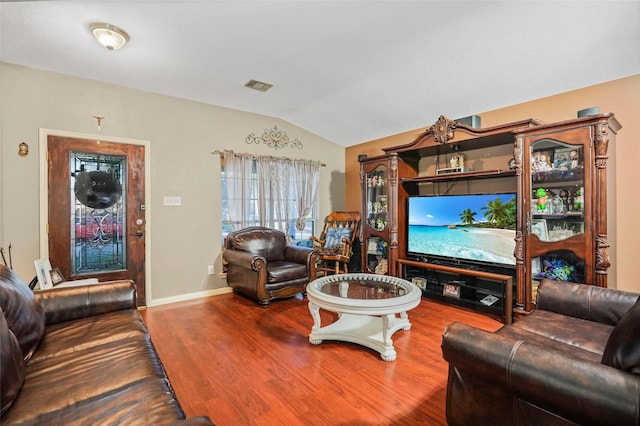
368 307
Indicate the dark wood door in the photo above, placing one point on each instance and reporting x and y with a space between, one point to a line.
96 217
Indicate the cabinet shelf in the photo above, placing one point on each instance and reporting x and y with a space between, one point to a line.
563 176
473 286
556 183
562 216
411 184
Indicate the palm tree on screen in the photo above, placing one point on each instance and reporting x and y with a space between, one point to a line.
468 217
496 212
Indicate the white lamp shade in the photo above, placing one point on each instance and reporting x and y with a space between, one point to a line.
109 36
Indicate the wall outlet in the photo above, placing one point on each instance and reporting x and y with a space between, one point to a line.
211 270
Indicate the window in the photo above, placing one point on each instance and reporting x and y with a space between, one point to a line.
256 203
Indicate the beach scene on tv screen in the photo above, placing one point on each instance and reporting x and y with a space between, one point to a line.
478 227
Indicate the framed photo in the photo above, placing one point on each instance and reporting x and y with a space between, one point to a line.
43 268
539 229
56 276
566 158
421 283
451 290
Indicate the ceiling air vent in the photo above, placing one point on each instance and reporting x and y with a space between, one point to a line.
258 85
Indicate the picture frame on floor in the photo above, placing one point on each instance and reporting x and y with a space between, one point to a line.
43 268
56 276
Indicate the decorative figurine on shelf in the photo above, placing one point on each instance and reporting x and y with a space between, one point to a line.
380 224
381 247
457 161
540 163
573 157
578 202
382 267
558 269
542 196
570 200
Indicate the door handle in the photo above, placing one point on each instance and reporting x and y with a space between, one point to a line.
139 233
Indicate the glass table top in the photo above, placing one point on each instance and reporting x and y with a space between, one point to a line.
362 287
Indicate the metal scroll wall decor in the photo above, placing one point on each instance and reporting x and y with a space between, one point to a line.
274 138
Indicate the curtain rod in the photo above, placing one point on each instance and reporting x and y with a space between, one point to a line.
217 151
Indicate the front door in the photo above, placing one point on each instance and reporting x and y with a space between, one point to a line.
96 213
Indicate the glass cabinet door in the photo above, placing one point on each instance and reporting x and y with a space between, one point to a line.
377 220
377 261
558 209
557 190
377 198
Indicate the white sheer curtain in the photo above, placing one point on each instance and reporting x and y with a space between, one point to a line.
274 183
306 179
239 181
277 193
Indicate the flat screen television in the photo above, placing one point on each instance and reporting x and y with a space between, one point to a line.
470 228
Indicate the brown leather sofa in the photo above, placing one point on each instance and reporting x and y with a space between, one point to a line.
261 265
80 356
574 360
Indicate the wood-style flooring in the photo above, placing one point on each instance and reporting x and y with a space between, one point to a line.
241 364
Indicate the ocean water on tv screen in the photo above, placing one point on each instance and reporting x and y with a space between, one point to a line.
477 244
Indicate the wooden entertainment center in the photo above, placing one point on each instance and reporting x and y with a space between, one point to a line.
558 173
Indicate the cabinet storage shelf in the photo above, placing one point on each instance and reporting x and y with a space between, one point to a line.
480 290
411 184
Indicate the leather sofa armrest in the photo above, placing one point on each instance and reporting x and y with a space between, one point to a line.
593 303
299 254
244 259
65 304
580 391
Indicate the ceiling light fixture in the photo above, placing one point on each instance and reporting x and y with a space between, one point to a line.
110 36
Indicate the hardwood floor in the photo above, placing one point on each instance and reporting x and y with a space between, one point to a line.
239 363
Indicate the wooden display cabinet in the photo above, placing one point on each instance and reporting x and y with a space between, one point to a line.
382 214
562 181
558 171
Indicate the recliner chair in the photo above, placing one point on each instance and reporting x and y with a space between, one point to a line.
261 265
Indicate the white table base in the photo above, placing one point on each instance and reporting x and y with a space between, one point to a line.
371 331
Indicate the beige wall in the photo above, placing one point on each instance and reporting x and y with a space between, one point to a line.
620 97
182 135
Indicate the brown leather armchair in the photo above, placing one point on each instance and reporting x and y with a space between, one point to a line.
575 360
261 265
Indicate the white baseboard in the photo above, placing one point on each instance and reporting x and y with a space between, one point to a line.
190 296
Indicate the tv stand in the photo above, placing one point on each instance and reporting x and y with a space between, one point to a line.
483 291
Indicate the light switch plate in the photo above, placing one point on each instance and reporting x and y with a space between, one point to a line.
172 201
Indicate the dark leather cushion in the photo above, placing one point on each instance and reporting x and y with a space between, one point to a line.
268 243
12 364
622 350
24 315
279 271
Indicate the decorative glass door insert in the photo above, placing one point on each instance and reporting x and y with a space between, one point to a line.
98 212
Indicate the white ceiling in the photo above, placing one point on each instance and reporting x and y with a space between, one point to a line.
349 71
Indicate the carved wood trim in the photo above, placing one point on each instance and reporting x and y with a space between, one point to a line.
443 129
601 145
602 255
